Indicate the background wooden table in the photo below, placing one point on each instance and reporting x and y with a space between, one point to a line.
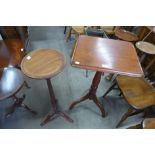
126 35
11 52
147 49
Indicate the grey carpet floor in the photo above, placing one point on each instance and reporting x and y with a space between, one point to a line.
68 86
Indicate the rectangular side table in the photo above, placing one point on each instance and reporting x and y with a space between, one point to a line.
104 55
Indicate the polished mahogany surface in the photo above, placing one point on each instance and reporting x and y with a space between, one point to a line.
43 63
126 35
11 52
11 80
106 55
146 47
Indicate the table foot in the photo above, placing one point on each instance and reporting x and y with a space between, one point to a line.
19 103
52 115
62 114
97 102
10 111
125 116
92 94
49 116
29 109
54 112
91 97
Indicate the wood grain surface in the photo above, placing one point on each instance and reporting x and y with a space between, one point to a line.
126 35
137 91
106 55
43 63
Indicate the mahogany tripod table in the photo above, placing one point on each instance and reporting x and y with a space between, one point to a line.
104 55
11 82
44 64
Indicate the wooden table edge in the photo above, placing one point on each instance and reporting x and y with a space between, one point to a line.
41 78
107 70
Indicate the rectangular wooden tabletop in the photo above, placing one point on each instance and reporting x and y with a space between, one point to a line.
106 55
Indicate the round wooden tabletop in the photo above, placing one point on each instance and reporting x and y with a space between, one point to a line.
11 52
146 47
11 80
126 35
43 63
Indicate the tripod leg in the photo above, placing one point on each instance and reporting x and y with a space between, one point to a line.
125 116
49 116
21 104
12 109
29 109
110 88
78 101
100 106
62 114
26 85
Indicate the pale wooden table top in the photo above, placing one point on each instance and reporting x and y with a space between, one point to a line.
146 47
43 63
106 55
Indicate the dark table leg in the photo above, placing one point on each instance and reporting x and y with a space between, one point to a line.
54 112
142 58
65 29
18 103
92 94
26 85
149 65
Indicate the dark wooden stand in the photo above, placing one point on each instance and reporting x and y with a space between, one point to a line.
91 95
54 112
18 102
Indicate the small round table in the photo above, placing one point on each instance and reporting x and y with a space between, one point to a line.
126 35
11 81
147 48
45 64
